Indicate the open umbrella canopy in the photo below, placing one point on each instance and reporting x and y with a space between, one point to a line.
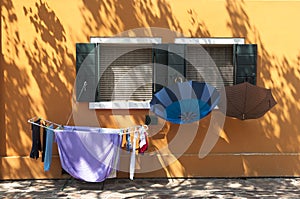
185 102
247 101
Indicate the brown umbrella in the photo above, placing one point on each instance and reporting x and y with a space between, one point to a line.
247 101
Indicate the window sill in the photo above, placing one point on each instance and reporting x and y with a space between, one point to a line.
123 105
120 105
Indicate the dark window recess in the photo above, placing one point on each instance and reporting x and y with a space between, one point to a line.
160 71
176 63
245 61
169 65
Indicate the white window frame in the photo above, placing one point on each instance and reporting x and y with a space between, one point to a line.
126 40
218 40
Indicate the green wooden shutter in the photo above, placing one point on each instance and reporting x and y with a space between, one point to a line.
86 72
160 69
245 58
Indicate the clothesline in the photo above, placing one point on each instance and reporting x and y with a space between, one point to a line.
121 131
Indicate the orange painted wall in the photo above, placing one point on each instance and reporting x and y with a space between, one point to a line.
37 75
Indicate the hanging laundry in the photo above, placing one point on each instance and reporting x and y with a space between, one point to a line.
87 153
143 145
128 141
143 141
44 144
48 148
132 158
36 140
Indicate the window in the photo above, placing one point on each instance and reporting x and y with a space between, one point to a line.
127 73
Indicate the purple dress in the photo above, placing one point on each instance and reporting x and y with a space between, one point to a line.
87 153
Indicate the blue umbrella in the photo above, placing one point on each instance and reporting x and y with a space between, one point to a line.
185 102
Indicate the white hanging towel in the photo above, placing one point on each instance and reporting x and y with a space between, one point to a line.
132 158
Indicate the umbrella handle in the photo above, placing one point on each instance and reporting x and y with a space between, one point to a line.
178 79
146 127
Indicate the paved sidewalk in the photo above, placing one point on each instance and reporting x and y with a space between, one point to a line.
154 188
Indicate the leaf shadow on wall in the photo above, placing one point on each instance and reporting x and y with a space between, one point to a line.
280 129
114 17
42 86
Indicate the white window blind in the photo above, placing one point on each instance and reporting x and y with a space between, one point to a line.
125 72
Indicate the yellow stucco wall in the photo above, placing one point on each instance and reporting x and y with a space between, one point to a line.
37 75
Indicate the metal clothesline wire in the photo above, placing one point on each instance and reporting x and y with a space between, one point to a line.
123 131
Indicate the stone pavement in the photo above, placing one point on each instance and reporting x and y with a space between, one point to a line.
154 188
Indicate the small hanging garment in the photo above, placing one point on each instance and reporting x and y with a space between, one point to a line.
48 148
36 140
87 153
143 141
128 142
132 157
44 143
